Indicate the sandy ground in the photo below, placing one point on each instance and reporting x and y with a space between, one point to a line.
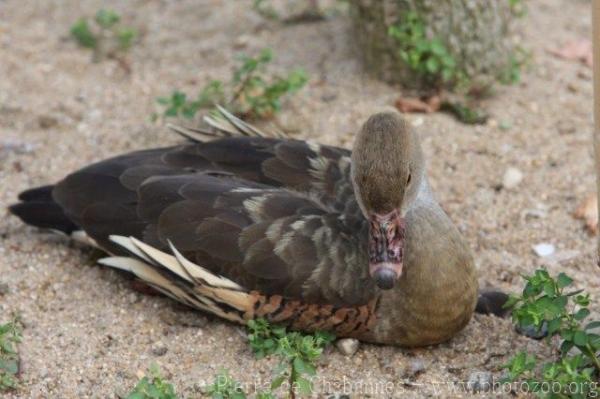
88 334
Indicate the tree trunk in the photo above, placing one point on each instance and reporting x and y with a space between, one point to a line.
475 33
596 42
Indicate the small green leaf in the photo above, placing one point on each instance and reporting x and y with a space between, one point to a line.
566 346
9 365
304 386
125 37
152 387
107 18
83 35
554 325
278 381
580 338
303 367
549 288
563 280
432 65
561 301
592 325
567 335
582 314
511 302
594 341
582 300
438 48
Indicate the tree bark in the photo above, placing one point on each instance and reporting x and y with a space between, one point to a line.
596 42
476 33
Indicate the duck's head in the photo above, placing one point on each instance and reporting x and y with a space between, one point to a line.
387 170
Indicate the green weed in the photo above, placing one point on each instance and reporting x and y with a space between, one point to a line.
297 355
428 57
517 61
433 62
104 34
251 92
153 387
10 336
546 303
225 387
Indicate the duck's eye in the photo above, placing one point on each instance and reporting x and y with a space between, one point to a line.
409 178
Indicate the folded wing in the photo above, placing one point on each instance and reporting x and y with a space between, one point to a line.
273 215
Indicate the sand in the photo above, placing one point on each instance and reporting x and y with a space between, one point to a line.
89 335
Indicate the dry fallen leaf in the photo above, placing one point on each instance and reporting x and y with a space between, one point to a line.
413 104
588 212
580 50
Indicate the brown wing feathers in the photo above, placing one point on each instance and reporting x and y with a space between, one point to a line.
262 213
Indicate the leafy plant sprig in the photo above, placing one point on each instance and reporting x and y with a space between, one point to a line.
153 387
10 336
264 338
178 104
432 60
546 303
298 354
252 92
106 36
428 57
517 61
225 387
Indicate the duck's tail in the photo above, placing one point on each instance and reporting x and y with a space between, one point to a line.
38 208
222 123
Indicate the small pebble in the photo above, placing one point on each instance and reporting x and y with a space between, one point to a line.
347 346
417 122
543 249
566 126
534 214
241 42
47 121
480 381
532 332
584 74
512 178
133 297
328 97
159 349
415 367
43 372
4 289
15 146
